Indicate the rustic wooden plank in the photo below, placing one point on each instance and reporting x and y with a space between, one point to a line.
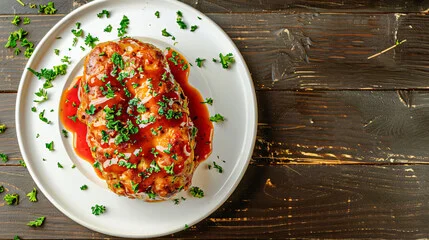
299 51
305 201
14 7
332 127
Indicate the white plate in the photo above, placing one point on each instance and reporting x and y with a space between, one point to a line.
232 91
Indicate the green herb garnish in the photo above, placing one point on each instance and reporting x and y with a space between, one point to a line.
36 223
104 12
11 199
98 209
50 146
124 26
32 196
196 192
217 118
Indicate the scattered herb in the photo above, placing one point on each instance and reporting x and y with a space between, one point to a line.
66 59
36 223
50 146
193 28
98 209
47 9
157 14
84 187
124 25
3 128
26 21
226 60
196 192
169 169
208 101
219 168
135 186
91 110
32 196
16 20
57 52
22 163
217 118
43 118
11 199
104 12
90 40
42 93
4 157
59 165
199 62
179 20
73 118
108 28
1 188
65 133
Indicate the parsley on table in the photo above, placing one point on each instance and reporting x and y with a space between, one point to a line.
47 9
16 237
20 2
4 157
11 199
17 51
43 118
124 25
22 163
108 28
208 101
1 188
217 118
15 36
3 128
28 52
226 60
98 209
196 192
193 28
91 110
65 133
32 196
90 40
36 223
199 61
186 226
50 146
16 20
59 165
84 187
103 12
26 21
179 20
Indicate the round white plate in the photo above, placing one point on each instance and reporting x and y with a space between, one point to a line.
231 89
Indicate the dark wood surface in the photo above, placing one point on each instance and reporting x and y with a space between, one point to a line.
342 146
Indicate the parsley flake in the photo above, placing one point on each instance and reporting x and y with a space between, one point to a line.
208 101
11 199
98 209
65 133
32 196
43 118
199 62
104 12
193 28
50 146
124 26
36 223
217 118
196 192
4 157
157 14
84 187
90 40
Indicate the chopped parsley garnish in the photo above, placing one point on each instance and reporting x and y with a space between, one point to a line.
59 165
32 196
135 186
199 61
73 118
78 25
157 14
109 93
117 185
196 192
57 52
17 51
151 194
174 156
90 40
36 223
49 74
74 42
91 110
1 188
65 133
194 131
66 59
108 28
96 164
26 21
11 199
168 150
84 187
128 165
104 136
43 118
3 128
186 226
124 25
208 101
226 60
193 28
43 94
153 167
4 157
219 168
217 118
16 20
179 20
14 37
77 32
169 169
20 2
104 12
167 34
50 146
117 60
135 85
86 88
98 209
47 9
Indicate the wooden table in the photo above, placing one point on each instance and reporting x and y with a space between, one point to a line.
343 141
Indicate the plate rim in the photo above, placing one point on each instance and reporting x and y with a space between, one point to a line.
84 223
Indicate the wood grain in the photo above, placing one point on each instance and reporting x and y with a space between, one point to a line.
332 127
271 202
298 51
